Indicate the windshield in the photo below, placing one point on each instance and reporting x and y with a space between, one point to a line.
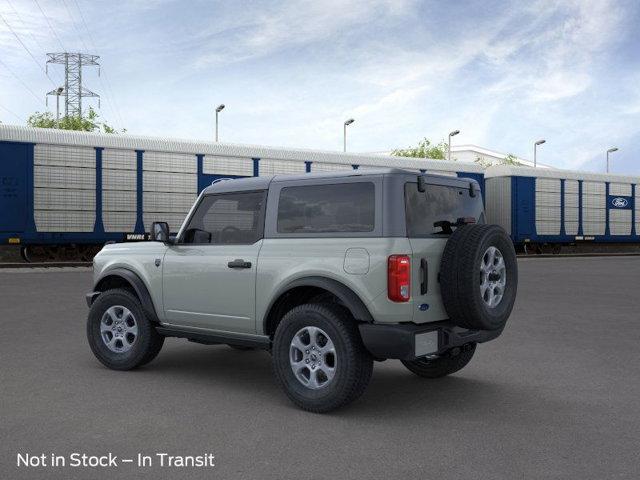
426 211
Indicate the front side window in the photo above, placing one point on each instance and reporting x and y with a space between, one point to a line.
426 211
338 208
227 219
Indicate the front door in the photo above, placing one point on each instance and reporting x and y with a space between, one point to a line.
209 275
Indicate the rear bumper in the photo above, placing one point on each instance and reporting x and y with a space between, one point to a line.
410 341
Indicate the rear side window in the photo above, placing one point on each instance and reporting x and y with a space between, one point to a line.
344 207
438 203
227 219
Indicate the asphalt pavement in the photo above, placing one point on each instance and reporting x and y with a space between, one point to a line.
556 396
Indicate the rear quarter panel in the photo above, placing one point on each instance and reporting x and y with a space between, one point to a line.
284 260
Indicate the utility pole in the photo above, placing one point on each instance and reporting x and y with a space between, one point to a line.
73 90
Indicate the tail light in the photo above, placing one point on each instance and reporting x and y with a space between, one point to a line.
399 278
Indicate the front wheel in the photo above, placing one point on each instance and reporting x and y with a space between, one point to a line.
319 358
449 363
119 332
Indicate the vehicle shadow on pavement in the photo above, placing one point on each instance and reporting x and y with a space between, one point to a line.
215 364
407 393
393 391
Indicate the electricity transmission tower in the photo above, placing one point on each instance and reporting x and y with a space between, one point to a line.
73 91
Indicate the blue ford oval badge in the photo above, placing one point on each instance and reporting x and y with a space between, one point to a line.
619 202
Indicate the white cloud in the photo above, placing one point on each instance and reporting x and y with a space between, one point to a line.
260 32
291 72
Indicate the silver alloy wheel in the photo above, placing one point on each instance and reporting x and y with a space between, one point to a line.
118 329
493 277
312 356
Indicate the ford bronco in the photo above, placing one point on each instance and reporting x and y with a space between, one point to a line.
328 272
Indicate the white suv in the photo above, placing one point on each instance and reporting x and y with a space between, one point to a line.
328 272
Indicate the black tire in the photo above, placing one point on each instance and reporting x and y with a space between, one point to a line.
460 277
147 344
442 366
353 364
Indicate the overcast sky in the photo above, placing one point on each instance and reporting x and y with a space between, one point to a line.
290 72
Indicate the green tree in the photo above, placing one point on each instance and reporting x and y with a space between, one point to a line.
510 159
87 123
425 149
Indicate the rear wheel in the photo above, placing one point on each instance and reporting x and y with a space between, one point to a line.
119 332
454 360
319 358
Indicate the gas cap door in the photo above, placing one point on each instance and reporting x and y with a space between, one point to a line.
356 261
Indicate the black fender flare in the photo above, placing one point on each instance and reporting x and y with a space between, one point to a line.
138 286
347 296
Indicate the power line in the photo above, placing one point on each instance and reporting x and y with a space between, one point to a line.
50 26
27 49
75 27
111 98
84 23
24 25
21 81
12 113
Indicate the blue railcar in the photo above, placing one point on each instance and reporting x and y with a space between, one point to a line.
65 192
555 207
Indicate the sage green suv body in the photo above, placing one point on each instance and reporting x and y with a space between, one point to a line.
328 272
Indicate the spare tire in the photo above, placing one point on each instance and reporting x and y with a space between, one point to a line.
479 277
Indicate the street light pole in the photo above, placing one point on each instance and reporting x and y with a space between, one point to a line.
344 137
611 150
59 90
535 152
451 134
219 108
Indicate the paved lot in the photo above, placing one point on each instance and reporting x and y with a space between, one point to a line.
557 396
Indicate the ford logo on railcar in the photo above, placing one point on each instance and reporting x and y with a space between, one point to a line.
619 202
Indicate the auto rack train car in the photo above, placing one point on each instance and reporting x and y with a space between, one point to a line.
64 193
544 209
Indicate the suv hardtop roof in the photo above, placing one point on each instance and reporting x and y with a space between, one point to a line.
227 185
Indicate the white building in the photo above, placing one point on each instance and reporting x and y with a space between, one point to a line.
483 156
471 153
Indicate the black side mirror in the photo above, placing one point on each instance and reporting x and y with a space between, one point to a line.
160 232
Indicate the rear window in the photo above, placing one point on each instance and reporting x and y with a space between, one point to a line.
438 203
344 207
